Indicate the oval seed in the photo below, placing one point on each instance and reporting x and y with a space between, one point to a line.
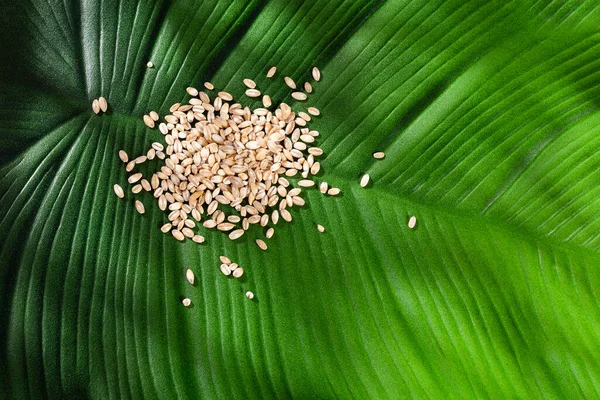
238 272
250 84
316 74
313 111
306 183
198 239
252 93
250 295
236 234
136 189
177 235
261 243
323 187
333 191
233 266
166 228
307 87
192 91
271 72
290 82
139 206
379 155
189 275
123 156
148 121
95 106
118 190
412 222
186 302
225 260
134 178
209 86
364 180
266 100
299 96
150 64
321 228
103 104
269 233
225 270
154 115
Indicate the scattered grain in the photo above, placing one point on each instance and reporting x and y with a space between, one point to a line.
379 155
186 302
139 206
252 93
177 234
154 115
135 177
236 234
271 72
123 156
225 260
166 227
290 82
266 100
412 222
192 91
225 96
225 270
299 96
209 86
316 74
96 106
260 243
306 183
333 191
189 275
308 87
323 187
118 190
250 84
136 188
150 64
238 272
313 111
198 239
250 295
364 181
269 233
321 228
103 104
148 121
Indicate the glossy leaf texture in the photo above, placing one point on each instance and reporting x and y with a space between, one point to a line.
489 115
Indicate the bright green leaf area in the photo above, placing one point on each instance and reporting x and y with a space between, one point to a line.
489 115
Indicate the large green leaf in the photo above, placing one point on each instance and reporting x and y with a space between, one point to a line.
489 113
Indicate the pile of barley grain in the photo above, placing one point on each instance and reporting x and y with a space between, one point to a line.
227 166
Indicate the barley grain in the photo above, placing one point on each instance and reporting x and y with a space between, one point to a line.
250 84
364 181
225 260
139 206
123 156
225 270
189 275
178 235
118 190
333 191
148 121
316 74
250 295
198 239
260 243
95 106
313 111
136 189
186 302
236 234
299 96
154 115
252 93
209 86
192 91
271 72
321 228
269 233
150 64
379 155
103 104
323 187
412 222
266 100
306 183
308 87
134 178
238 272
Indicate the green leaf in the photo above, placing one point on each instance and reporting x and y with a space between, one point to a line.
489 115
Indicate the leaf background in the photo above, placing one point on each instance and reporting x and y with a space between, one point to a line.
489 116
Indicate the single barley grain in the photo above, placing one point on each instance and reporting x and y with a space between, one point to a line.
139 206
177 234
95 106
146 185
150 64
192 91
250 295
321 228
250 84
135 177
316 74
130 166
102 103
118 190
236 234
225 96
260 243
333 191
290 82
412 222
225 260
307 87
166 227
136 188
266 100
209 86
271 72
252 93
238 272
379 155
198 239
186 302
306 183
364 181
269 233
189 275
154 115
299 96
323 187
285 214
313 111
123 156
148 121
140 159
225 270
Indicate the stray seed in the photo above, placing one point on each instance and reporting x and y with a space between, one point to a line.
236 234
166 228
316 74
95 106
225 260
379 155
118 190
139 206
307 87
250 84
321 228
323 187
123 156
186 302
150 64
306 183
313 111
154 115
233 266
412 222
333 191
260 243
271 72
225 96
103 104
299 96
250 295
209 86
266 100
252 93
238 272
192 91
189 274
177 234
135 177
148 121
198 239
270 233
130 165
290 82
136 189
225 270
364 180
